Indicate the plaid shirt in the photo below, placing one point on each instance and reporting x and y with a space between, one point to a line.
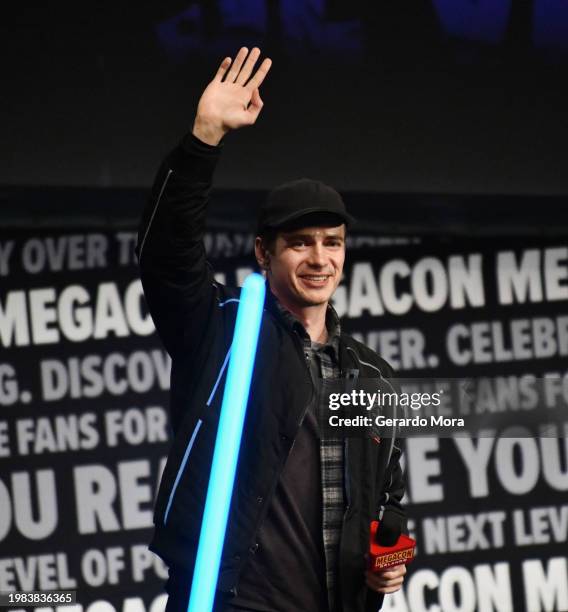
324 363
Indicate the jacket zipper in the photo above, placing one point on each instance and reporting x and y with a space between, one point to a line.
303 357
351 375
181 469
192 439
154 212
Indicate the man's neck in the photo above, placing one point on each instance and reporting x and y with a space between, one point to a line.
313 318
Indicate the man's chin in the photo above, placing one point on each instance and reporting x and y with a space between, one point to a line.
314 300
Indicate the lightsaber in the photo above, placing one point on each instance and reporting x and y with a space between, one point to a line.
227 444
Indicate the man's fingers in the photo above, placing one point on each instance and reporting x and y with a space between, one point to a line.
386 581
222 69
246 70
393 572
382 579
260 74
236 66
389 582
380 584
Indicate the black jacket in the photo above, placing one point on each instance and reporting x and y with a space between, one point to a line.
194 316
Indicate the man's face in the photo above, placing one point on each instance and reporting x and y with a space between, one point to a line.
306 265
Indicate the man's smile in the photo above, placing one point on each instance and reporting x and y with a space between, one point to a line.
315 280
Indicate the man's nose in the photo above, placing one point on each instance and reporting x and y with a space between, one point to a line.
317 255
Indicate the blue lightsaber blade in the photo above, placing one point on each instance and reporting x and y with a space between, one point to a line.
227 444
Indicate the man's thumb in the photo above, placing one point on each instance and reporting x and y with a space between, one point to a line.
256 100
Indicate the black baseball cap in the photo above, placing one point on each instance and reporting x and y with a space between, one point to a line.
287 204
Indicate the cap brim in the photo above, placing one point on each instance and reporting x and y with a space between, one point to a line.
295 216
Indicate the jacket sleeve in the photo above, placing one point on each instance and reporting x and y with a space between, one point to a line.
394 483
390 501
392 491
394 487
178 282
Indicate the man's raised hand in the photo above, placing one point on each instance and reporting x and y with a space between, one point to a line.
232 99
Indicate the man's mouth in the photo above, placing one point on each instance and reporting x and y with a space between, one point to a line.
315 280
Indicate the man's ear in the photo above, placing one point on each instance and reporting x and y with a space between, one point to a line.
262 255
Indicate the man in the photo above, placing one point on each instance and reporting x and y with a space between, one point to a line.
298 527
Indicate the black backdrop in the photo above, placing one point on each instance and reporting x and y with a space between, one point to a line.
84 386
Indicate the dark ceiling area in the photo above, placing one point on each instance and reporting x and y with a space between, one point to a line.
425 96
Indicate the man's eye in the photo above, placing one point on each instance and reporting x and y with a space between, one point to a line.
298 243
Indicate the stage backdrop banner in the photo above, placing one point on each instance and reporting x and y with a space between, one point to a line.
84 427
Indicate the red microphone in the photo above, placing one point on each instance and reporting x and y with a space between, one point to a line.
388 545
